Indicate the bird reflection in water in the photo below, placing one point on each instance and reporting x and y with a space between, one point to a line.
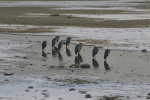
68 52
95 63
106 65
54 51
60 56
44 54
78 59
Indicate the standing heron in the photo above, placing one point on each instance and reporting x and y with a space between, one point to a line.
107 51
95 51
78 47
57 38
68 41
60 44
44 43
53 42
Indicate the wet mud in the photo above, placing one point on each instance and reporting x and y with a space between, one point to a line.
122 66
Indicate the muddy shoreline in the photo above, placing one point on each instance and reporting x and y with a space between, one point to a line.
28 73
119 67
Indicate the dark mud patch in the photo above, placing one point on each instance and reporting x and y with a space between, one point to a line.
31 30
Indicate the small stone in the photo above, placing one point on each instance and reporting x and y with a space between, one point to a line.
17 56
72 89
76 65
44 90
136 47
27 90
148 94
82 92
144 50
54 15
70 66
110 97
148 97
30 87
8 74
62 66
88 96
85 65
6 80
24 57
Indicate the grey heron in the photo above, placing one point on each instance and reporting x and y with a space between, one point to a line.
68 41
53 42
57 38
44 43
60 44
107 51
78 47
95 51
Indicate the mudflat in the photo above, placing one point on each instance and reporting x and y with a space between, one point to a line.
25 24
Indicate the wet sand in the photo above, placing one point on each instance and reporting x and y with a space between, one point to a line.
25 62
22 15
121 66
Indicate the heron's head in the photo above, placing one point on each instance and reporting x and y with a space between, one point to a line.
56 37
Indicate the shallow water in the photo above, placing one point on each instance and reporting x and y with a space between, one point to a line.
56 87
124 66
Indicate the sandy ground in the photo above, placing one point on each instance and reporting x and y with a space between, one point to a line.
125 74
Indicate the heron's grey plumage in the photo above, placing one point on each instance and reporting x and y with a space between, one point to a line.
95 51
107 51
60 45
44 43
57 38
68 41
53 42
78 47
